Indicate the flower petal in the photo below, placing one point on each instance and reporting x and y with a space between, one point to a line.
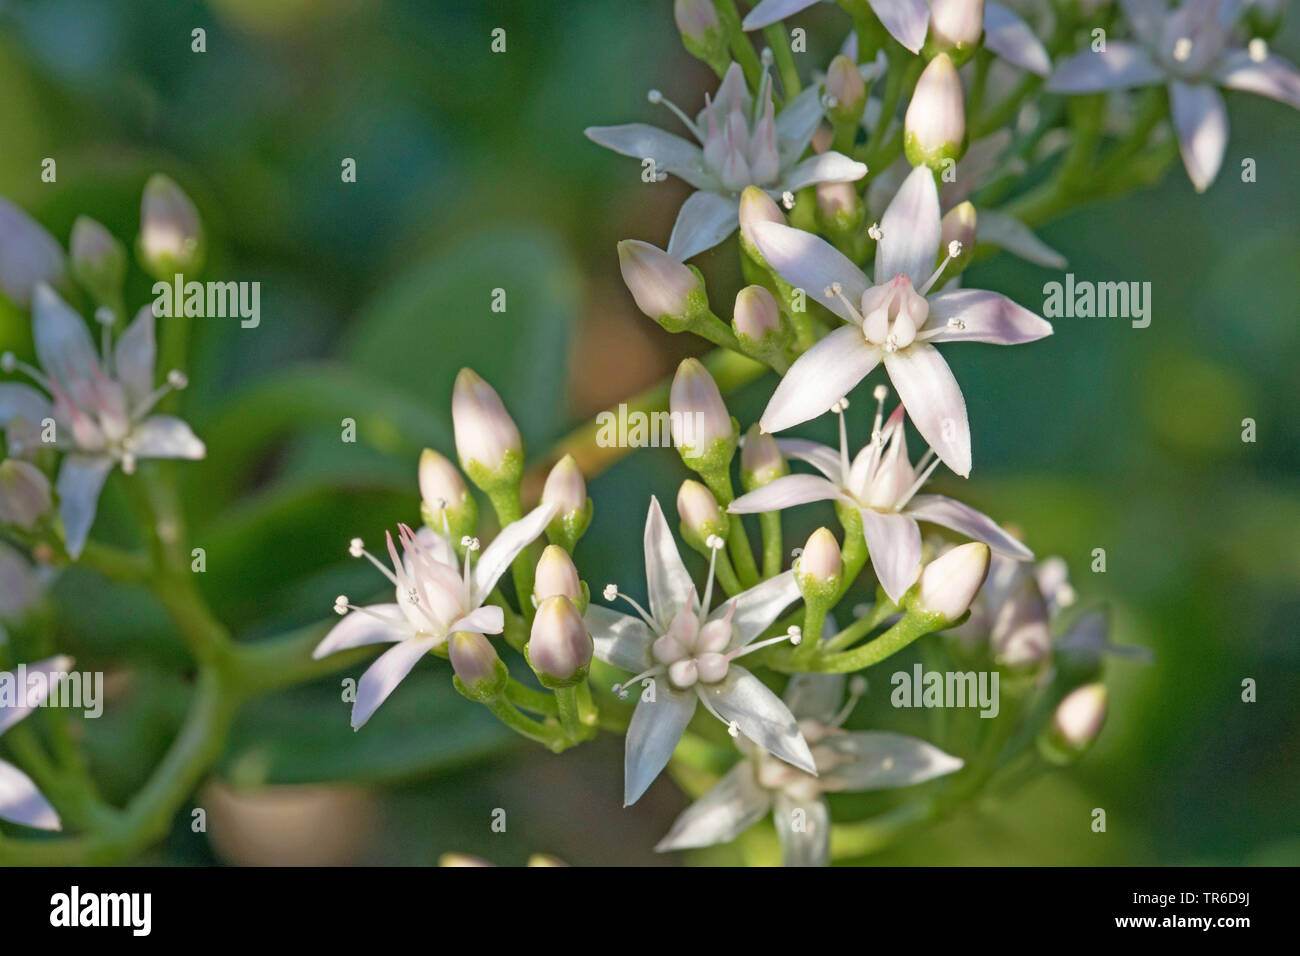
735 804
1089 636
809 842
704 220
985 317
934 402
1011 38
1201 121
827 167
819 378
29 255
1273 77
878 760
1009 233
667 581
894 542
1122 65
10 714
385 674
652 737
785 492
134 358
620 639
498 555
906 20
671 153
21 802
822 457
941 510
811 263
796 124
63 344
769 11
166 436
815 696
80 480
910 230
488 619
760 715
22 401
379 624
757 608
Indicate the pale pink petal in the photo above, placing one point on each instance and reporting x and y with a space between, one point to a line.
815 696
652 736
734 804
808 843
488 619
375 624
29 255
1015 237
620 639
910 230
1273 77
761 716
81 477
894 542
1201 122
797 122
819 378
1011 38
22 401
822 457
828 167
811 263
1122 65
11 713
671 153
906 20
753 611
667 581
941 510
879 760
385 674
21 802
498 555
934 402
134 357
63 343
165 436
785 492
704 220
769 11
984 317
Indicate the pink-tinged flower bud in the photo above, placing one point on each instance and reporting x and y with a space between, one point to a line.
445 501
559 647
556 575
950 582
24 493
756 315
98 261
566 489
956 25
1021 637
934 128
1080 716
818 569
702 33
171 234
958 225
664 289
29 255
700 515
480 675
761 460
701 427
823 138
839 209
845 86
20 587
756 206
487 441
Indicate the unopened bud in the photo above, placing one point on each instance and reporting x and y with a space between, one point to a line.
934 128
171 234
702 429
756 206
98 261
845 86
839 208
487 441
756 319
566 489
950 582
958 225
702 33
700 515
24 493
761 460
820 564
956 27
1021 637
29 255
559 648
445 501
556 575
664 289
480 674
1076 724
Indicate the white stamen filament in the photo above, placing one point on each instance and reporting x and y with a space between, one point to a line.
621 689
836 291
838 409
654 96
612 592
857 688
921 479
357 549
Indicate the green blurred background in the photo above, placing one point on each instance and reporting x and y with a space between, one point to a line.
473 174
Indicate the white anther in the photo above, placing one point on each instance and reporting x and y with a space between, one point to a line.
355 547
413 596
795 633
104 315
768 56
956 324
733 728
8 361
830 102
714 543
341 605
787 199
1257 49
654 96
858 685
469 543
177 379
610 592
874 231
954 248
1183 49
